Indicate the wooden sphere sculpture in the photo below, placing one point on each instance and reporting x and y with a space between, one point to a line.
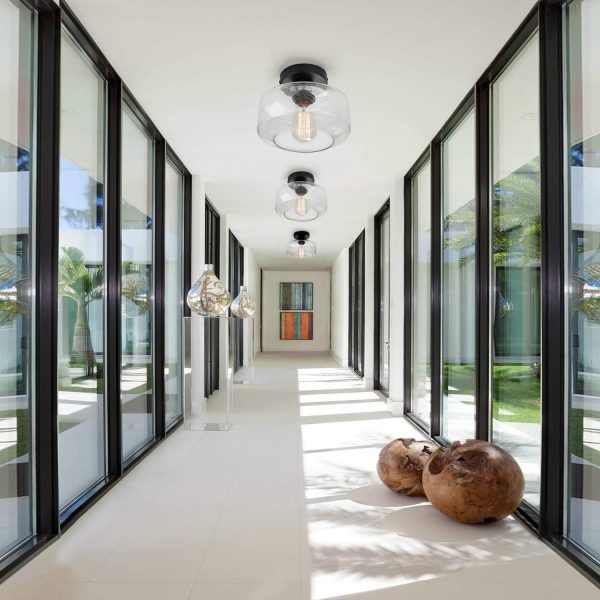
400 465
474 482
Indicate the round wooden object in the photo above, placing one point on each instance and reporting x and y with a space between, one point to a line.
474 482
400 465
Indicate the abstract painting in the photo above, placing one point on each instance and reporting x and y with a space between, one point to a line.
295 296
296 326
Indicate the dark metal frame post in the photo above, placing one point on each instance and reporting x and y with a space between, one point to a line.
482 258
160 156
47 166
553 271
113 282
436 289
377 268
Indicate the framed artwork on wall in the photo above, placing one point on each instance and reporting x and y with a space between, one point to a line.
295 296
296 325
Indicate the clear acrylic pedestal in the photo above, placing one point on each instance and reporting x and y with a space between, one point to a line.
214 413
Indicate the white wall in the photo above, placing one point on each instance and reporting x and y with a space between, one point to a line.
339 308
321 310
252 280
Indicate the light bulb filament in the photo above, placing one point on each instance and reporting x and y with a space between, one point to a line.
301 205
301 252
304 131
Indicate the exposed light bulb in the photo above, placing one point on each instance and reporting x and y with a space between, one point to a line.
301 252
305 130
301 205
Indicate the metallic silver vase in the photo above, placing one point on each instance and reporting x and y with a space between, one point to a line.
243 306
208 296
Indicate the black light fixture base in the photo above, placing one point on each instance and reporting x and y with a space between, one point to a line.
303 72
301 236
301 177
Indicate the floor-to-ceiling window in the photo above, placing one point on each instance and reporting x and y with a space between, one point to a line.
582 51
382 298
173 286
458 281
81 274
356 303
137 285
88 209
236 279
17 70
421 286
212 250
515 263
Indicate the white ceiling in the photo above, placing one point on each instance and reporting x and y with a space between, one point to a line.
199 68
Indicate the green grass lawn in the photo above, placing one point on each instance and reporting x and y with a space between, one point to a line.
516 390
22 434
577 428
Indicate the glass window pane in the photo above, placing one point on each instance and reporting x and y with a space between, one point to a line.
16 274
421 308
81 437
516 351
458 286
583 244
173 292
137 287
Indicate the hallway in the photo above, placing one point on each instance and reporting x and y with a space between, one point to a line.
286 505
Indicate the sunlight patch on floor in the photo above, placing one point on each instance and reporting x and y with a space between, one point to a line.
363 540
338 397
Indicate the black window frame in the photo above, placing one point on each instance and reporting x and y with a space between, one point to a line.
50 520
212 254
545 18
381 214
356 305
236 279
186 177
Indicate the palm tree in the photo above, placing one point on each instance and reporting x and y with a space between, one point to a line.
83 286
10 305
515 214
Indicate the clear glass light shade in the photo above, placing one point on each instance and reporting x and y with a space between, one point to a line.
299 250
304 117
301 201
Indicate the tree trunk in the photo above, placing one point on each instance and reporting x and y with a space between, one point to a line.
82 351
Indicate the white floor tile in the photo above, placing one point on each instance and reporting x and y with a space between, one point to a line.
273 588
287 506
135 591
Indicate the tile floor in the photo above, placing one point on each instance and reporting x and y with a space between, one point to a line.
286 506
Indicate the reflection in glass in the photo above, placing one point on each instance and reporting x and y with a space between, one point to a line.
516 352
458 277
173 292
421 281
16 276
583 268
137 287
81 446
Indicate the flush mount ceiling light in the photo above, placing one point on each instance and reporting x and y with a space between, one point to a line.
303 113
302 247
301 199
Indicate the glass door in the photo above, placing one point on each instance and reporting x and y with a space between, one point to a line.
137 286
583 268
17 275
